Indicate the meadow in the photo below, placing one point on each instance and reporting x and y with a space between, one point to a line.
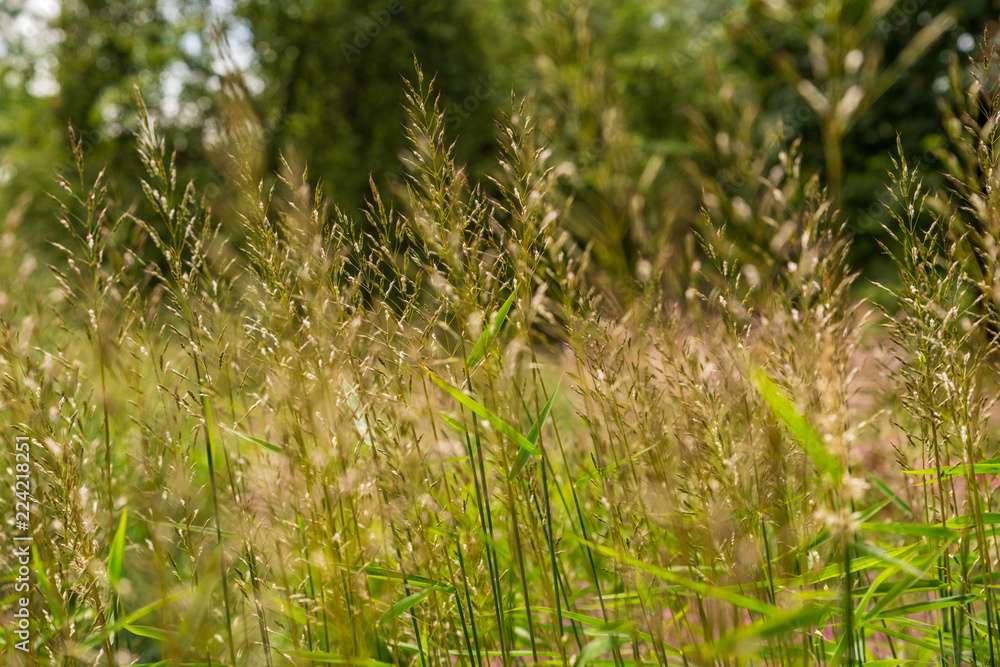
430 433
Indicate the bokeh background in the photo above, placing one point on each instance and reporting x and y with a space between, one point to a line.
659 112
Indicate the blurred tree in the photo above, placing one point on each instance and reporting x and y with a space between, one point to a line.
614 81
331 83
645 103
79 62
110 48
851 76
30 142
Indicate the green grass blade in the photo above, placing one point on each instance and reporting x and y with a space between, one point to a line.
612 466
260 443
889 493
337 659
698 587
116 559
782 623
482 412
148 631
990 467
930 605
912 529
523 455
373 572
46 587
453 423
598 647
404 605
136 615
490 333
896 563
797 425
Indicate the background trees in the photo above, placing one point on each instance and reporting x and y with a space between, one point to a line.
650 102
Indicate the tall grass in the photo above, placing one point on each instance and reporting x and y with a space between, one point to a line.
425 436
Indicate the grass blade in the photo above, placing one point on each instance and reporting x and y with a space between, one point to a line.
148 631
490 333
116 559
797 425
482 412
404 605
523 455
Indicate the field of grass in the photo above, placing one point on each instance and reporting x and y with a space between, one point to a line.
431 435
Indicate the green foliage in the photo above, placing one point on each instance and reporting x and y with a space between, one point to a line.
332 97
